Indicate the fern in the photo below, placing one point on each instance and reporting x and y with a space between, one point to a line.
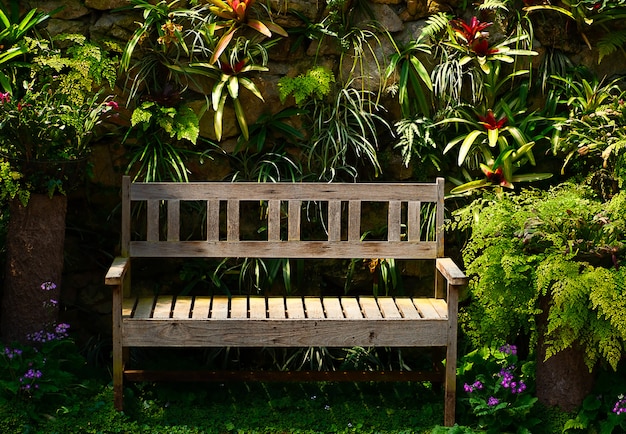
493 5
610 43
533 244
435 24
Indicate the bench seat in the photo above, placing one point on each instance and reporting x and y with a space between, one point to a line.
216 321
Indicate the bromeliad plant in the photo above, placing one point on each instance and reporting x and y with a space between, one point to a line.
493 134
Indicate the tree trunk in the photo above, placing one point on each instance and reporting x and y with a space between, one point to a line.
564 379
34 247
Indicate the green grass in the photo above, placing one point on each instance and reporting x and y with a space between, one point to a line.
239 408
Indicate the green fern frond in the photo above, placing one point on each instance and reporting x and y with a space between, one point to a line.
610 43
493 4
435 24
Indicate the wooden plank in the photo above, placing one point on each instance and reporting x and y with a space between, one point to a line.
220 307
273 220
213 220
239 307
173 220
144 307
276 308
285 249
407 308
451 271
388 308
351 308
182 307
394 221
295 216
128 304
306 191
163 307
414 220
332 307
440 306
313 308
152 222
295 309
232 221
201 308
354 220
285 333
258 309
426 308
334 220
440 217
126 217
370 307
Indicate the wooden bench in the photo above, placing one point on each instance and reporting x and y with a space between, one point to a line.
285 321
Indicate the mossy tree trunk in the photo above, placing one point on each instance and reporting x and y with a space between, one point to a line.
564 379
34 248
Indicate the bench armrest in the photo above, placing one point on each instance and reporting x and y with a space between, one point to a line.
451 272
117 271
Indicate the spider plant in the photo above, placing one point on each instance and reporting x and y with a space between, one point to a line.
345 131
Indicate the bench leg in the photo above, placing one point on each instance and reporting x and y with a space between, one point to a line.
450 387
118 351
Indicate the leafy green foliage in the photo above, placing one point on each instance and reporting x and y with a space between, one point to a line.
497 386
315 83
562 243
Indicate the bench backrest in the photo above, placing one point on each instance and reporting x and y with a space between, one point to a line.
285 213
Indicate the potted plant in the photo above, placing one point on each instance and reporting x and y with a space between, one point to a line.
47 122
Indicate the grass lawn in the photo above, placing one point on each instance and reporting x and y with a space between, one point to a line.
268 408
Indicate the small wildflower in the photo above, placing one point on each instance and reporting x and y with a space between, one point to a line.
493 401
48 286
620 405
5 97
508 349
327 407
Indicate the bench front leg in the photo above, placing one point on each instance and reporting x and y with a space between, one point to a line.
450 279
117 277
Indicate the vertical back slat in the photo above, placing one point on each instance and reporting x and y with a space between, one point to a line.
394 220
173 220
232 220
295 209
334 220
354 220
213 220
152 220
440 216
414 221
273 220
125 216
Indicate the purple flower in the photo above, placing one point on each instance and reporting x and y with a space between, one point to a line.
493 401
508 349
48 286
5 97
468 388
620 405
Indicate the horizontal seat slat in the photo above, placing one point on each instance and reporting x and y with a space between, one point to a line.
285 333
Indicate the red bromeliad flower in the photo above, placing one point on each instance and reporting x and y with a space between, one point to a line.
496 177
490 122
469 32
232 69
240 8
481 48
